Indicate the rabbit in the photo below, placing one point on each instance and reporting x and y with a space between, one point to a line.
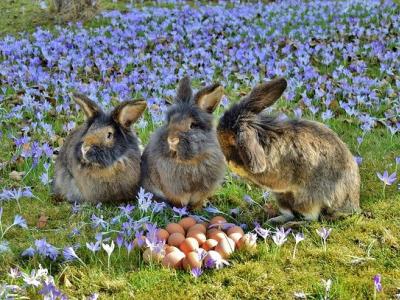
183 163
100 160
305 164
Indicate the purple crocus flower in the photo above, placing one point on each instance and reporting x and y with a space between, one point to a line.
29 252
119 241
378 283
324 234
358 160
212 209
196 272
20 221
69 254
45 249
76 207
126 210
386 178
248 199
280 236
94 247
180 211
129 246
264 233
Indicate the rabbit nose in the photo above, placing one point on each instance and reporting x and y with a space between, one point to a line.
173 142
84 149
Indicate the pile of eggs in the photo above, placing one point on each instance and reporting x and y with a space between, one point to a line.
189 244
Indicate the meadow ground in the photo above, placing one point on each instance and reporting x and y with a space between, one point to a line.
342 62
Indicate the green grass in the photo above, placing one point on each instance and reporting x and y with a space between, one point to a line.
269 273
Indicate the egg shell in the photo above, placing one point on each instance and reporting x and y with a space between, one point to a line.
235 229
174 227
236 236
217 220
142 243
225 247
192 260
188 245
187 222
173 259
198 227
217 235
247 243
169 249
151 256
212 255
199 236
162 234
176 239
209 244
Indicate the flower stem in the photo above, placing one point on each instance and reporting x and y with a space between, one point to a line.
294 251
4 232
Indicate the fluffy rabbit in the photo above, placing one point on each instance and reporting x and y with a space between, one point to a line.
183 162
100 160
304 163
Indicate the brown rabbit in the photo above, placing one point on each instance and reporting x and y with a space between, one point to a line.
304 163
183 163
100 160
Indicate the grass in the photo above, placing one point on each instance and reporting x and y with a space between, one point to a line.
269 273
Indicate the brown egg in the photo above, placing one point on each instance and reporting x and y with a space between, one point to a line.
169 249
162 234
198 227
212 255
173 259
213 230
209 244
236 236
217 220
188 245
174 227
248 242
199 236
187 222
217 235
176 239
151 256
192 260
140 241
235 229
225 247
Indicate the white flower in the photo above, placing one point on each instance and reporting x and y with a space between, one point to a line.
108 248
31 279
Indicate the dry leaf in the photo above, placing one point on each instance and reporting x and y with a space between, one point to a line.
15 175
42 222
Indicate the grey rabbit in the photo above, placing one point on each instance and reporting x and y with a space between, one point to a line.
100 160
183 163
304 163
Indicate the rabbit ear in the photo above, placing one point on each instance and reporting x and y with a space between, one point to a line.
209 97
184 92
265 94
89 107
129 112
251 151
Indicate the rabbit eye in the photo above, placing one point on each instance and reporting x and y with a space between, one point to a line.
193 125
109 135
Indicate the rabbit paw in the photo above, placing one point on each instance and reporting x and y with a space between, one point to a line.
282 219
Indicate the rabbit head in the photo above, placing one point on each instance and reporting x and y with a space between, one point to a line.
240 126
189 127
106 136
